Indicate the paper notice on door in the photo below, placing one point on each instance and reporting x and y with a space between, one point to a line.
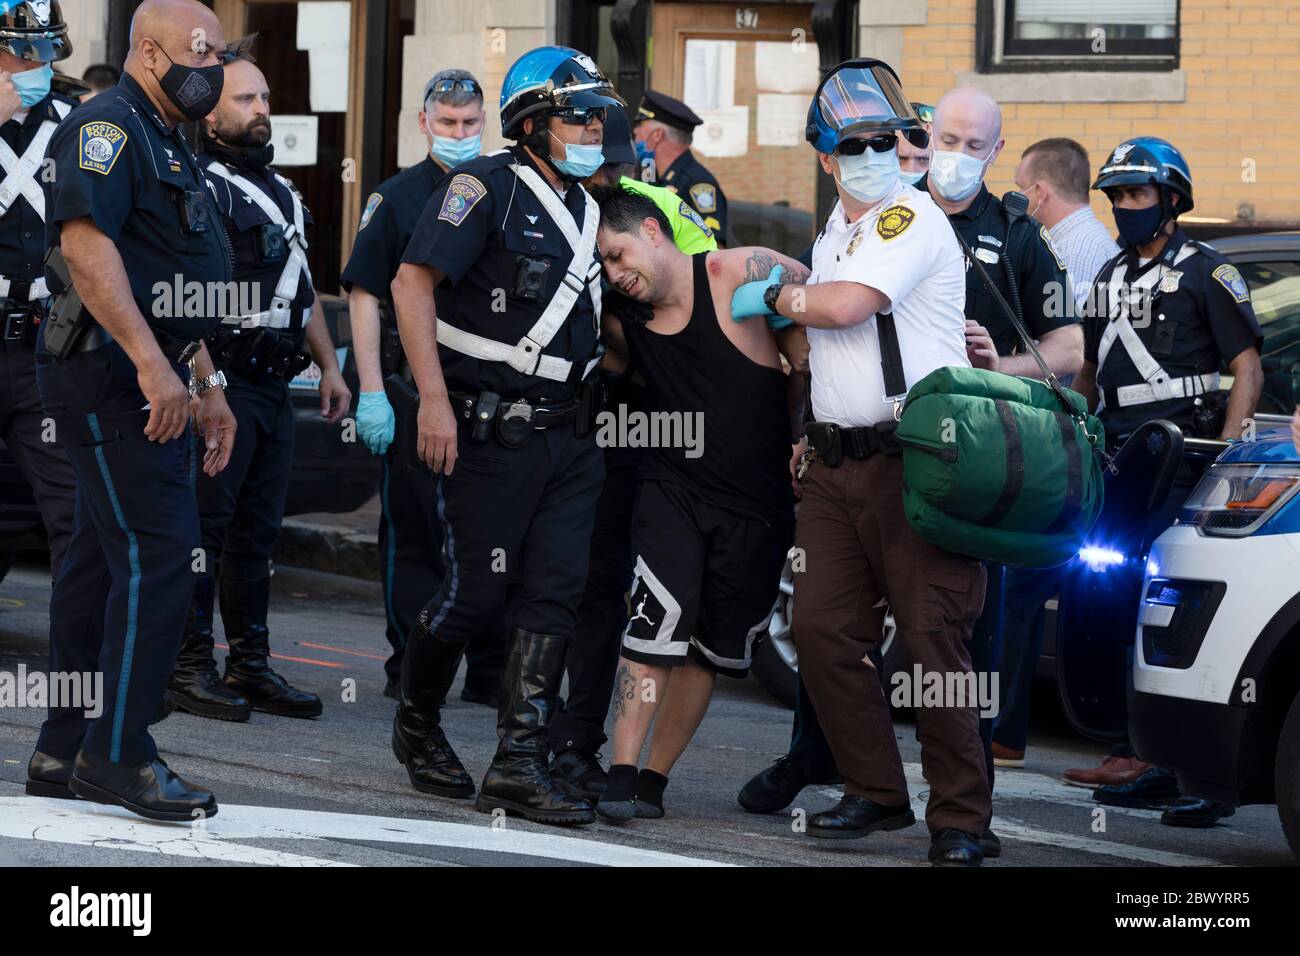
725 132
294 139
709 77
324 23
786 67
781 119
329 79
324 32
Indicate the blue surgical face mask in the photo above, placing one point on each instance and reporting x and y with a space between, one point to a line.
579 161
33 85
643 152
956 176
452 152
911 178
871 176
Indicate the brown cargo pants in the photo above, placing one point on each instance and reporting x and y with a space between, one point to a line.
859 553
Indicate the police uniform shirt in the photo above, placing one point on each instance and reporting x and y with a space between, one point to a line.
391 214
1199 320
687 177
486 232
906 250
121 165
22 231
245 220
1041 278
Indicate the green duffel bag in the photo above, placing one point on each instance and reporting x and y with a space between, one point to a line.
994 466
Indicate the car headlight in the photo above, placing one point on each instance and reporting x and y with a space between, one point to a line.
1235 500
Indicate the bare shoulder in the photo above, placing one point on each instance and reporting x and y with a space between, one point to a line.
753 264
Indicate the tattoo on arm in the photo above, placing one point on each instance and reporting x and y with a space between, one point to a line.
759 266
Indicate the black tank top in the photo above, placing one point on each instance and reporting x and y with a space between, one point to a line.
742 463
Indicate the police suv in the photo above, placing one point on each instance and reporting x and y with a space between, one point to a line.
1216 667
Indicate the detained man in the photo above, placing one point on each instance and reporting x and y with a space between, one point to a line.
715 516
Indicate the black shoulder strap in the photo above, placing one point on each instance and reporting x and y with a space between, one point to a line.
891 357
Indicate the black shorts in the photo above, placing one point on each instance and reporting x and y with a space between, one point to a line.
706 580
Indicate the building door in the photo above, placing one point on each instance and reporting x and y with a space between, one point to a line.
750 73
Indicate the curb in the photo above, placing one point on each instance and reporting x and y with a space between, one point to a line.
328 548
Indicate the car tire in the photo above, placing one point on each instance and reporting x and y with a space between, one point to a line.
776 662
1286 776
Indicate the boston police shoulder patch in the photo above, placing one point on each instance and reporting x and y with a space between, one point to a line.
1047 241
463 192
893 222
101 145
686 212
371 205
1228 277
705 197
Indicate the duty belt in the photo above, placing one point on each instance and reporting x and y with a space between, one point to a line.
1161 390
833 444
539 416
176 349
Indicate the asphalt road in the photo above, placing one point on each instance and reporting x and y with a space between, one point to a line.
329 792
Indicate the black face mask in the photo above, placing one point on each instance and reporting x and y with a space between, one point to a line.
1140 226
194 90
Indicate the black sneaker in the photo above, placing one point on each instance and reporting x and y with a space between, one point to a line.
581 771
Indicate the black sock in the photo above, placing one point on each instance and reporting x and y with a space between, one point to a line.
650 788
621 783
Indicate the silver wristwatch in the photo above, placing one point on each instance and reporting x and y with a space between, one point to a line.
215 380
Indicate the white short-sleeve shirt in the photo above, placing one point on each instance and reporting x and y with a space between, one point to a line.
905 248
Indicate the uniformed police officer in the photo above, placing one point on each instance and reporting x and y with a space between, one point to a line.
663 130
499 353
410 537
578 731
1161 319
136 233
32 36
885 254
258 348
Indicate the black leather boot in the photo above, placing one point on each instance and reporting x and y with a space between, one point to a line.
518 781
428 669
248 666
194 684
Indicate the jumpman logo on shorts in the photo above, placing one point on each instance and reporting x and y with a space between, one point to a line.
640 612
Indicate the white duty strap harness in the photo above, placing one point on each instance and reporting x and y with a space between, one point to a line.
279 315
20 180
525 356
1121 300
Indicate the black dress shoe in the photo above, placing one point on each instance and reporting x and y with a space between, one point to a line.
581 771
990 845
955 848
1153 790
855 817
48 777
774 788
1194 812
148 789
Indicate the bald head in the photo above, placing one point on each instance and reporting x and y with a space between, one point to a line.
968 120
167 32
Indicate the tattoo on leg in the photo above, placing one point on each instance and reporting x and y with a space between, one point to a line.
625 690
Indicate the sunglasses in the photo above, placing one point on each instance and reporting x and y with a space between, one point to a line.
450 86
581 116
882 142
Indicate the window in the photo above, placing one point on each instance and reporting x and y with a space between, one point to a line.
1275 294
1023 35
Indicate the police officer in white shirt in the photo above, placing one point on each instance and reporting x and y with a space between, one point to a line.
887 261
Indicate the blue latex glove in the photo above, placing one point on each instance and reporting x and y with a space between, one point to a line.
778 322
375 421
747 300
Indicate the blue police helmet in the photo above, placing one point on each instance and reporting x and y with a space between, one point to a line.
552 78
1147 159
860 96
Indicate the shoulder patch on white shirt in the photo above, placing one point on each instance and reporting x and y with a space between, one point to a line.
893 222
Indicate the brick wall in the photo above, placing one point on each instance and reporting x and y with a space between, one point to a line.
1239 98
